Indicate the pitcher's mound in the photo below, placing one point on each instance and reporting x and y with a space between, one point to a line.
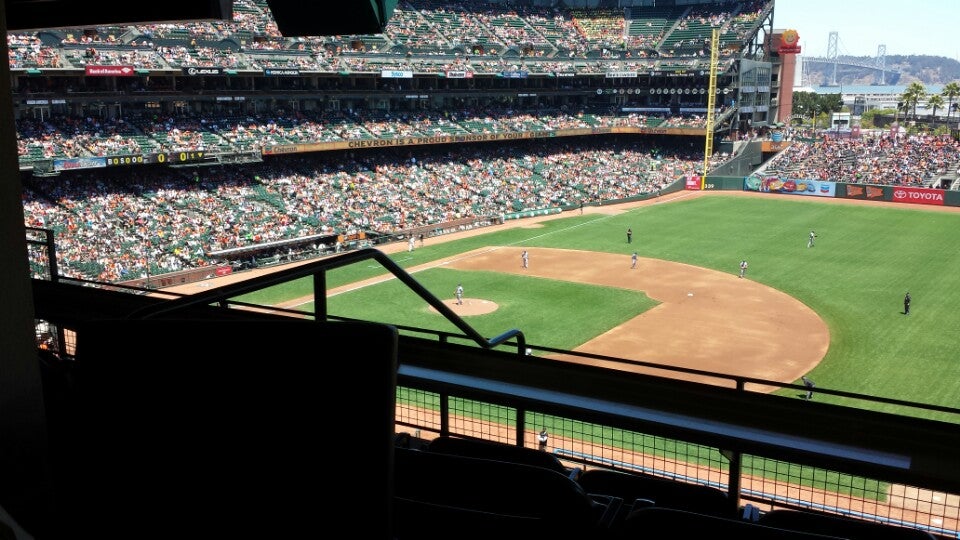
470 306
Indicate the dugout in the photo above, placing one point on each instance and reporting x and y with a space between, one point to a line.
266 253
172 279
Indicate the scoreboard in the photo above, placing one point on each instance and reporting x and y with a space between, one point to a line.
186 157
171 158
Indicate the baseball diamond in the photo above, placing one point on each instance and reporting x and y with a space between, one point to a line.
708 319
690 327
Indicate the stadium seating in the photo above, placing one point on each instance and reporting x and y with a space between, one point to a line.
424 520
482 487
657 522
853 529
635 489
661 492
503 452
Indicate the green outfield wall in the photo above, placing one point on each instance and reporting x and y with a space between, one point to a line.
726 183
794 187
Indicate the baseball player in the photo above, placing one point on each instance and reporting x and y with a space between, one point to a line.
633 260
459 294
810 241
524 259
743 268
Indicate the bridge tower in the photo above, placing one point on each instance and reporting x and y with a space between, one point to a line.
882 64
832 55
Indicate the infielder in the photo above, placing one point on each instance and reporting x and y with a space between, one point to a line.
459 294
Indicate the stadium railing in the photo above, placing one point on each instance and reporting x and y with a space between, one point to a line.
770 450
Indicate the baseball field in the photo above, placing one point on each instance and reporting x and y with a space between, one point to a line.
833 312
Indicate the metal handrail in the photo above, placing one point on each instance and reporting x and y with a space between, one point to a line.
317 269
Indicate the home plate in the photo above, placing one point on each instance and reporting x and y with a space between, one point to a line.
689 294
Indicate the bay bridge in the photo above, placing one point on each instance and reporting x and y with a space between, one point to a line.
878 64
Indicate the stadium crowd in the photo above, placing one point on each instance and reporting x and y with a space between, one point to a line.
123 223
162 221
63 136
537 39
913 160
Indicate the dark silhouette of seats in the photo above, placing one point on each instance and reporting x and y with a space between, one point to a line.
854 529
500 488
656 491
422 520
502 452
658 522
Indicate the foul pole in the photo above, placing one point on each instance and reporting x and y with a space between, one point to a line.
711 104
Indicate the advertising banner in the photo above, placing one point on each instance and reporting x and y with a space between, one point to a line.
79 163
281 72
396 73
109 71
855 191
200 71
915 195
790 186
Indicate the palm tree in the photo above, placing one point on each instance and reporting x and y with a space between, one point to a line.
935 102
950 91
912 95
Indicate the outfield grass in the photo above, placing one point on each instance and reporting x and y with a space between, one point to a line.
866 258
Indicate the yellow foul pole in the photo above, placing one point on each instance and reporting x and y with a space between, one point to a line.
711 104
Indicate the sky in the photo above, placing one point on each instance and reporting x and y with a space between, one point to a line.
917 27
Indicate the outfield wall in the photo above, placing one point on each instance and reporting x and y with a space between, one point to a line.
795 187
725 183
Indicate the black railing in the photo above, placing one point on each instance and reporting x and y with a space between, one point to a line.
317 270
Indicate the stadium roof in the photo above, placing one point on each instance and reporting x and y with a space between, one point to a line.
293 17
